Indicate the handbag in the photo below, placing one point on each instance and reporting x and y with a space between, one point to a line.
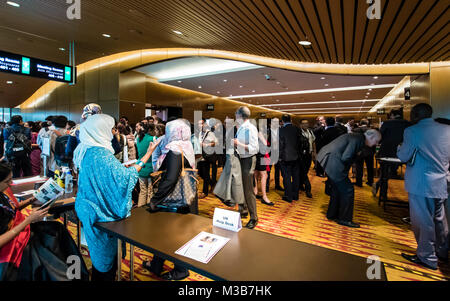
185 191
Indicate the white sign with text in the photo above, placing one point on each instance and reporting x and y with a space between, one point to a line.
228 220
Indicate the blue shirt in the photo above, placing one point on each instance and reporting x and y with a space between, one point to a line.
104 195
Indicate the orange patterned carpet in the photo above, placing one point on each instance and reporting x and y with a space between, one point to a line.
382 233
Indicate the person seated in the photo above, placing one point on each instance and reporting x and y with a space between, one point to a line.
176 144
31 250
105 189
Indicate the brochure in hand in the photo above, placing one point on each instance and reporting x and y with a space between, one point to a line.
48 193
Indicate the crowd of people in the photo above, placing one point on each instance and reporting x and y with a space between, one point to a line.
145 164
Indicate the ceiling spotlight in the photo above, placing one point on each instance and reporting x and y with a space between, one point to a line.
177 32
13 3
225 80
322 78
241 87
375 77
9 82
326 85
180 81
305 43
370 89
278 83
253 91
62 49
218 92
106 35
368 93
199 87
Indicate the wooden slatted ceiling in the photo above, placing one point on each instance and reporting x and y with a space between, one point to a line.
340 32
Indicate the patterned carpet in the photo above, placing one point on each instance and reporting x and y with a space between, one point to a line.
382 233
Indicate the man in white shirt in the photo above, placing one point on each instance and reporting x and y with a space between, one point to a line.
247 146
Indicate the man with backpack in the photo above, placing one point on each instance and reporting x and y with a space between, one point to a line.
58 142
17 145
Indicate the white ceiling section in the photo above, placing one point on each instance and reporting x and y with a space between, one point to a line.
284 90
193 67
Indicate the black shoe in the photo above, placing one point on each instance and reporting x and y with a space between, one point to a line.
259 197
227 203
332 219
244 214
349 224
268 204
148 266
251 224
170 276
358 184
309 195
279 188
416 260
287 200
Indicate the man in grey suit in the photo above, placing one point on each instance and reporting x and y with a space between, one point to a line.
426 146
336 158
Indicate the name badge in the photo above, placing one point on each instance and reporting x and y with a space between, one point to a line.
228 220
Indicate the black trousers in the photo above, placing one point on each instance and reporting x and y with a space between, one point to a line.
21 167
305 166
368 159
210 163
342 200
387 169
277 174
291 179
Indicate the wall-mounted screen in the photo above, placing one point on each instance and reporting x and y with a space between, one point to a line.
23 65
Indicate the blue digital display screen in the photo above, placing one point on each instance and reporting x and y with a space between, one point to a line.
23 65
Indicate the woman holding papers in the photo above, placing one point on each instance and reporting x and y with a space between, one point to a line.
31 250
105 189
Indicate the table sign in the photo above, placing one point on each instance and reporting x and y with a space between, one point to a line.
228 220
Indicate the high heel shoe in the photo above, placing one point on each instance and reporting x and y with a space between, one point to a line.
268 204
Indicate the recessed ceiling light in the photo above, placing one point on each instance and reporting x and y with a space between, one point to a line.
9 82
241 87
62 49
326 85
368 93
13 3
199 87
218 92
106 35
375 77
180 81
305 43
278 83
177 32
253 91
370 89
225 80
322 78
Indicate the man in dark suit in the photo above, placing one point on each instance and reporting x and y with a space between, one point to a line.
330 134
392 131
318 132
337 158
289 154
340 124
366 156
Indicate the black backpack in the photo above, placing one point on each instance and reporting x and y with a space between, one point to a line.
60 150
18 145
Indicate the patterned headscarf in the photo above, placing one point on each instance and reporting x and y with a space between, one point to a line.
177 140
91 109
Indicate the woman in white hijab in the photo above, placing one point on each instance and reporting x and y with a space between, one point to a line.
104 190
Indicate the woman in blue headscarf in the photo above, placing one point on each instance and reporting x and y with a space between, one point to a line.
104 194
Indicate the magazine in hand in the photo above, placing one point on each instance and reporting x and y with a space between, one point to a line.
48 193
203 247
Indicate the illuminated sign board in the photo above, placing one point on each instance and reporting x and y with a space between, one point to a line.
22 65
